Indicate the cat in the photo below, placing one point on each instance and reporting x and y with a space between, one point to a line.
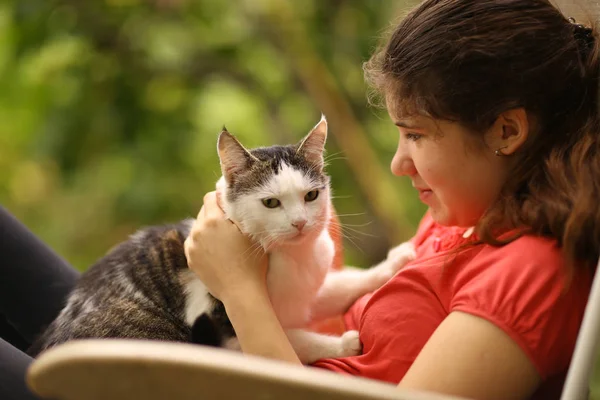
279 196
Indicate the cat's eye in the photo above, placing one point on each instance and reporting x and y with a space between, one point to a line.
271 203
311 196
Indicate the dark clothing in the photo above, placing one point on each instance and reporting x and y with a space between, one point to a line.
34 284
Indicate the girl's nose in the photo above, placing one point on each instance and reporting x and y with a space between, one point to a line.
402 163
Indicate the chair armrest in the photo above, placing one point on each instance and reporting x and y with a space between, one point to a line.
132 369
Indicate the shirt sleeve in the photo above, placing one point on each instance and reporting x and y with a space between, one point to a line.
526 290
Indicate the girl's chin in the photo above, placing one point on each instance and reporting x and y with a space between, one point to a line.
444 218
441 216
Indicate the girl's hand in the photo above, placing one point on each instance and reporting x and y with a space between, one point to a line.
225 260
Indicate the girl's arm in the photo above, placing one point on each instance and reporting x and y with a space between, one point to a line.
257 327
471 357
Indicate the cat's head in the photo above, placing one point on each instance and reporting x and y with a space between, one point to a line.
279 194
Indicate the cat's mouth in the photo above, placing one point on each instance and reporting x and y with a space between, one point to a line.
292 238
297 237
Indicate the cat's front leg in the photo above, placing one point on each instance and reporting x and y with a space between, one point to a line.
396 258
342 288
311 346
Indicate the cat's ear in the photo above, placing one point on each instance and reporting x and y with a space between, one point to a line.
312 146
233 156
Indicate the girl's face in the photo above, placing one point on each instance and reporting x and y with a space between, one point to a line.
456 175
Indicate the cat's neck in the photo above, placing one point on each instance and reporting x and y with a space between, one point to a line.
295 275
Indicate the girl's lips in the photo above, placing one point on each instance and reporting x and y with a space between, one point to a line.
425 194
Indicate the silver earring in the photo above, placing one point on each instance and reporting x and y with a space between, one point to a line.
499 152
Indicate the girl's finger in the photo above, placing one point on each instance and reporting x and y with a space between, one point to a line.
211 206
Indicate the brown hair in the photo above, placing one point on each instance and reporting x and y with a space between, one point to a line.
469 61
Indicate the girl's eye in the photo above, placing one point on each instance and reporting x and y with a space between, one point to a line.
413 136
311 196
271 203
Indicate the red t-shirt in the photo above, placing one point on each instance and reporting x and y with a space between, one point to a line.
520 287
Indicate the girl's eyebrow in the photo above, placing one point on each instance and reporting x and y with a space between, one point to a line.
403 124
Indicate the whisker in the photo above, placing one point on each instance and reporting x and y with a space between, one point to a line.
270 231
350 227
343 232
351 240
351 215
252 251
358 225
328 160
360 232
257 249
330 156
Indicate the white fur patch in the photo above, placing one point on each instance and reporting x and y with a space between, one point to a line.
197 299
287 181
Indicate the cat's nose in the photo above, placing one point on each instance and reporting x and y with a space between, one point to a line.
299 224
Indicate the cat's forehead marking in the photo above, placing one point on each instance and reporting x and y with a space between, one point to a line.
288 179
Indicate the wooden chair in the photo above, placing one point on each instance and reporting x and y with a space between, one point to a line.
127 370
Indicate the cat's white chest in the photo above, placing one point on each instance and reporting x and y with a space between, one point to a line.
295 276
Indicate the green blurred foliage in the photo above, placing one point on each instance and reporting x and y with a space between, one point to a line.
110 111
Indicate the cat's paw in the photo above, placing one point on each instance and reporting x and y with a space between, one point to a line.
397 258
351 345
400 255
